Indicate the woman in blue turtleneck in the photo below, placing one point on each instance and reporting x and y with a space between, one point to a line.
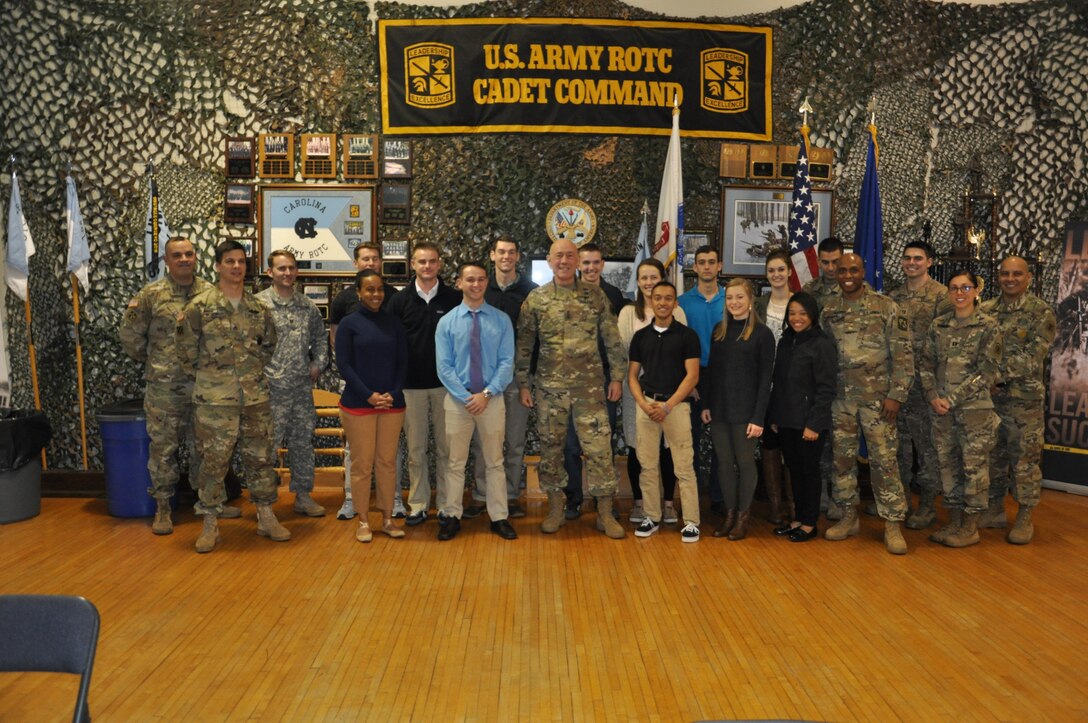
735 401
372 355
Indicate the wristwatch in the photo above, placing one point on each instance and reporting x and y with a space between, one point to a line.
487 394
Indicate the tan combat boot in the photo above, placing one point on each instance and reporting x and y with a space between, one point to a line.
556 516
209 536
967 534
994 515
162 525
845 527
834 512
893 538
1022 530
606 523
305 505
926 514
268 526
230 513
955 519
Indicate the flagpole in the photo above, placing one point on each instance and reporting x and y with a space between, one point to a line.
79 368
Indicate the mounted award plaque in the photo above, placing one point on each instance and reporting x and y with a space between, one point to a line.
360 155
734 160
319 155
820 161
396 203
396 159
277 155
241 155
763 160
238 204
787 161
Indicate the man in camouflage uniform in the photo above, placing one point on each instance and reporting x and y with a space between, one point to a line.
921 298
876 369
302 353
225 340
565 317
148 335
1028 327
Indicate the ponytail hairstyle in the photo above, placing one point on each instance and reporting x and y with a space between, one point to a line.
640 298
753 315
970 275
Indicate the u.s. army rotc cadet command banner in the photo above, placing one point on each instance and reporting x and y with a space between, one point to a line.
559 75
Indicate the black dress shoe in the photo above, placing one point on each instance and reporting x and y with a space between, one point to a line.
799 535
449 529
474 510
504 529
416 518
785 530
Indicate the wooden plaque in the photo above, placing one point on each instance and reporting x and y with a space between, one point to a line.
238 203
734 160
787 161
277 155
319 155
360 155
764 161
240 157
821 161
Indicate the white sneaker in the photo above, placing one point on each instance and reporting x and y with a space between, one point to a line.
347 511
669 517
647 528
399 511
690 533
637 515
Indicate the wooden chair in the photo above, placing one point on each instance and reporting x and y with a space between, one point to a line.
330 437
50 634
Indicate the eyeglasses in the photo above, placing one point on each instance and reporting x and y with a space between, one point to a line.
966 288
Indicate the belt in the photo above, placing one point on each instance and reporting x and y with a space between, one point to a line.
657 397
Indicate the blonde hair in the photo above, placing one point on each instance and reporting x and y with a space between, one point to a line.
753 315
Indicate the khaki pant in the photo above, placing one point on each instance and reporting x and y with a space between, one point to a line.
373 439
423 405
677 431
490 427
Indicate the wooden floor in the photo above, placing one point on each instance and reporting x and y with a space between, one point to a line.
570 626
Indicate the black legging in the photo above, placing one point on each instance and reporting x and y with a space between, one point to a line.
668 476
803 460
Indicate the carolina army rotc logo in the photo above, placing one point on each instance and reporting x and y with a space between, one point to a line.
724 76
428 70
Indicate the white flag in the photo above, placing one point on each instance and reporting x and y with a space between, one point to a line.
20 243
79 252
156 233
641 252
670 211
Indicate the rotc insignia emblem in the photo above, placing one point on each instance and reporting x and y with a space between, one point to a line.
428 71
723 73
572 220
304 228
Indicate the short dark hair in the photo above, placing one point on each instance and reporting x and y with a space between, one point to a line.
829 244
175 239
281 252
225 247
925 246
661 283
426 246
591 248
707 249
371 246
470 264
364 274
504 238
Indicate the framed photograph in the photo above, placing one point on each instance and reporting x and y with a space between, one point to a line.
396 203
277 155
238 203
691 239
756 219
395 269
321 225
317 293
249 244
396 159
241 157
395 248
360 155
319 155
617 271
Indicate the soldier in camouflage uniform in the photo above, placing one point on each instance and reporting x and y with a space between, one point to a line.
824 288
148 335
876 369
565 318
225 340
921 299
959 364
302 353
1028 327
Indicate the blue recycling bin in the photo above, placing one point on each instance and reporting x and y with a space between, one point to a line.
125 451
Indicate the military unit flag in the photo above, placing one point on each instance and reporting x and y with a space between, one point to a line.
670 211
156 232
802 222
869 238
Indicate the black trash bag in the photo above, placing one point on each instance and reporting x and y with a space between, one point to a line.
23 434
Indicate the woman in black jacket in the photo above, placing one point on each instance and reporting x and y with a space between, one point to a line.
737 388
805 369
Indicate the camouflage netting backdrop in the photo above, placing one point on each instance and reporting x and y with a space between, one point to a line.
111 85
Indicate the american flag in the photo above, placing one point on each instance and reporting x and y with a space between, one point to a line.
803 219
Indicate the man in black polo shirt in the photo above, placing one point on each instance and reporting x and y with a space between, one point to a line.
663 371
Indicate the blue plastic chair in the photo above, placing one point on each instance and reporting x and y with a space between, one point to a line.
50 634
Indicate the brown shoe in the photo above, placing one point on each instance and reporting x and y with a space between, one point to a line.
727 523
209 536
740 530
163 524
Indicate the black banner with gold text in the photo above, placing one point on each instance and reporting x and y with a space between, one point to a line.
556 75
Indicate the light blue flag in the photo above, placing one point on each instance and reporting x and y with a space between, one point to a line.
642 251
79 251
20 243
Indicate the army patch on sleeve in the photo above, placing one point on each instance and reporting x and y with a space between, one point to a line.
901 322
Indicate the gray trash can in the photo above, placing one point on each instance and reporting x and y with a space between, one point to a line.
23 434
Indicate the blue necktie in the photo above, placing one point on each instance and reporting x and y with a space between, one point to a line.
475 356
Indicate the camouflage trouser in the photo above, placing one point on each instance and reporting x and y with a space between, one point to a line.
169 409
218 429
294 419
1014 463
915 433
847 417
964 439
554 407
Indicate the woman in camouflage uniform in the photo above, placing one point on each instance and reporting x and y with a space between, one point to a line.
962 353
